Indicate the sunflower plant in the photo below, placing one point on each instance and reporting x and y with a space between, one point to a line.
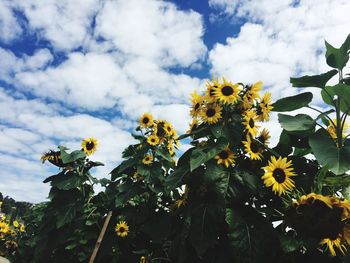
64 228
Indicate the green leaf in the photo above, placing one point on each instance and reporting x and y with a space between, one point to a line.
71 157
342 91
200 156
164 154
297 123
318 81
205 222
328 154
293 102
284 146
67 217
338 57
66 181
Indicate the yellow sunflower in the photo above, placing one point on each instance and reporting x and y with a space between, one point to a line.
53 157
227 92
89 145
197 101
251 95
264 136
168 128
122 229
146 120
334 243
22 228
15 223
171 149
332 129
148 159
225 157
210 91
143 259
265 107
153 140
193 125
249 120
253 149
211 113
277 174
4 228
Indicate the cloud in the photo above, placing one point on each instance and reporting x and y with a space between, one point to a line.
281 39
155 30
65 24
10 29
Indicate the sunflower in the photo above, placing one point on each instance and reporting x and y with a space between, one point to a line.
210 91
171 149
225 157
89 145
168 128
211 113
249 120
264 136
153 140
146 120
143 259
264 107
15 223
22 228
4 228
148 159
251 94
253 149
227 92
193 125
334 243
197 101
332 129
53 157
277 174
122 229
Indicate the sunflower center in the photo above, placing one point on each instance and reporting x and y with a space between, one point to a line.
227 90
259 111
251 123
210 112
145 120
254 147
153 140
90 146
196 106
223 155
121 229
279 175
262 139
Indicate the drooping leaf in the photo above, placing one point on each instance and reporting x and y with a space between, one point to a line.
338 57
293 102
318 81
328 154
297 123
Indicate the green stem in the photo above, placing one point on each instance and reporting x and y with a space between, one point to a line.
326 116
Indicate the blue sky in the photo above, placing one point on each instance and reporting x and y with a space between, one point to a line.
72 69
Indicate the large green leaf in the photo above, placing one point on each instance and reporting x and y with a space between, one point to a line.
66 181
205 223
71 157
293 102
297 123
342 91
328 154
338 57
175 178
318 81
67 217
200 156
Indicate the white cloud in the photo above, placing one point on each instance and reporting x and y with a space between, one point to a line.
65 23
281 39
155 30
10 29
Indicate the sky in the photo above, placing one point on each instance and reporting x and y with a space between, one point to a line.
72 69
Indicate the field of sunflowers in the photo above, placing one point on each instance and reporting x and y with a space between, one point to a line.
228 198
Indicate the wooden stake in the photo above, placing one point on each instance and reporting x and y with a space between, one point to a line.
100 237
